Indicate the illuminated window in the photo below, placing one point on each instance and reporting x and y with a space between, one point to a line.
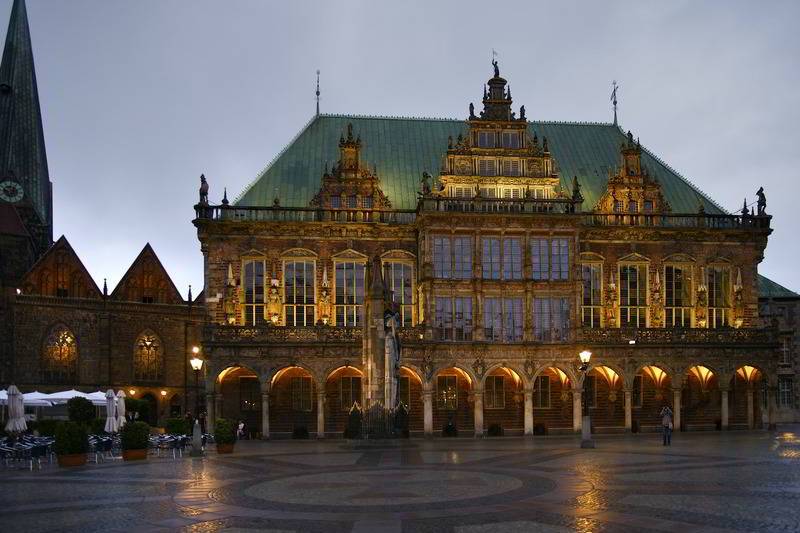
511 139
633 296
719 296
512 258
618 206
511 167
367 202
502 319
486 139
592 307
336 201
399 278
253 282
494 393
352 201
677 296
298 279
301 393
349 392
551 319
541 392
148 358
349 293
447 392
487 167
60 357
453 318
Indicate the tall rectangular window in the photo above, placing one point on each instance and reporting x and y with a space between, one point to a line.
541 392
447 392
399 278
349 392
677 297
550 258
298 280
591 304
511 167
512 258
349 293
301 393
719 296
452 257
551 319
253 281
487 167
785 391
462 257
490 257
453 318
633 296
502 319
442 257
494 393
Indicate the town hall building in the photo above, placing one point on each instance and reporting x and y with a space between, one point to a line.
454 267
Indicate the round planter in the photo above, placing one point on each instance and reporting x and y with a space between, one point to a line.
134 455
73 459
225 448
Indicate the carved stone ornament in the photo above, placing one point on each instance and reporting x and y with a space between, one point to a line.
529 367
479 366
427 366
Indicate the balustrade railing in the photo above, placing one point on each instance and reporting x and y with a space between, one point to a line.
282 334
677 220
300 214
635 336
496 205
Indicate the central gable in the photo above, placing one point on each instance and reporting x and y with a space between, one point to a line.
147 281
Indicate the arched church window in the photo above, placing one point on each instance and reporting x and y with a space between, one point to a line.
147 358
60 357
62 275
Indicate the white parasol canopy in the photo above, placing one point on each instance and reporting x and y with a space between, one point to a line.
65 396
16 411
36 399
97 397
111 420
120 409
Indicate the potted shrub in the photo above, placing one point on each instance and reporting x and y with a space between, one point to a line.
224 435
81 410
71 444
178 426
135 437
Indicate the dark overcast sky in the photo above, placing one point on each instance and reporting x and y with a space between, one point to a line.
141 97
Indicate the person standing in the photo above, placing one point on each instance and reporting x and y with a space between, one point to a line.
666 423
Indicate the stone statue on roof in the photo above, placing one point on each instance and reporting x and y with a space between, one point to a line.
203 190
496 68
425 183
471 110
762 202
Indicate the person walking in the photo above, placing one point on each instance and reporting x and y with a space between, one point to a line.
666 423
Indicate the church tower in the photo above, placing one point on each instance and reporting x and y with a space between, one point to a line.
26 212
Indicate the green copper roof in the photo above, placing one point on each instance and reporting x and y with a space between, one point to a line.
21 136
402 148
769 289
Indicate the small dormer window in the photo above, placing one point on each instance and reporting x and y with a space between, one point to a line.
147 299
511 139
648 206
336 202
352 201
368 202
62 292
486 139
633 207
487 167
618 206
511 167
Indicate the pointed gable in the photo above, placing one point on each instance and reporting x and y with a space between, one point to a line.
60 273
147 281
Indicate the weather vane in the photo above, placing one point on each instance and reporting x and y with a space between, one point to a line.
614 87
317 92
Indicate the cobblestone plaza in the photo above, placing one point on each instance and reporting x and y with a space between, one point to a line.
743 481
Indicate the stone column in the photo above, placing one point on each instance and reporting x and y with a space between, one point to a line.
478 412
265 415
724 408
321 414
676 409
528 412
427 412
751 416
210 412
628 410
577 411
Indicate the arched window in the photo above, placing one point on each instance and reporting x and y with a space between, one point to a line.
60 357
147 358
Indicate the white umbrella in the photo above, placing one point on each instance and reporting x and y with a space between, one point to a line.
97 398
36 399
16 411
120 409
65 396
111 404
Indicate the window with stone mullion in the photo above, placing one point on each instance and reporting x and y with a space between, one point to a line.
677 297
254 307
494 393
349 293
633 296
399 278
591 306
551 319
719 296
490 257
299 288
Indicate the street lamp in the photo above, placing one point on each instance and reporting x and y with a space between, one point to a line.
197 365
586 423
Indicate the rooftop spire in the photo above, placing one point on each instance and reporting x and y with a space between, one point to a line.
614 87
21 136
317 92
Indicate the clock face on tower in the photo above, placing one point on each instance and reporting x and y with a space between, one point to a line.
11 191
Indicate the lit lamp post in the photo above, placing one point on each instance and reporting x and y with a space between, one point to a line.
586 422
197 365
